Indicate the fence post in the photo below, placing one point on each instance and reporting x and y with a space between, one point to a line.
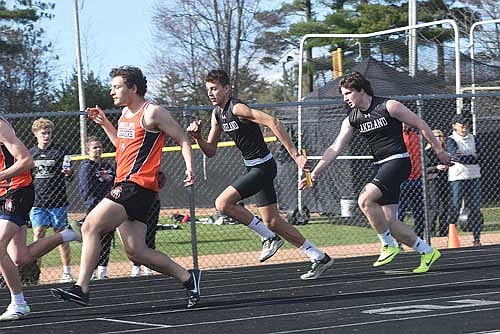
420 113
186 119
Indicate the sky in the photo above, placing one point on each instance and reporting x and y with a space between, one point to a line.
112 33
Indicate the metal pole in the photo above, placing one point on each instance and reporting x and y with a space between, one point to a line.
472 69
81 88
420 112
412 38
186 116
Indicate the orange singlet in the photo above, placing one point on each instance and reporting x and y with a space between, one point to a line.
6 160
138 151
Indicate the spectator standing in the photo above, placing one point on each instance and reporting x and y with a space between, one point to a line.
464 176
411 196
95 178
438 189
52 170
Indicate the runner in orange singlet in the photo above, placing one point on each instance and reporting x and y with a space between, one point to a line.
16 199
139 138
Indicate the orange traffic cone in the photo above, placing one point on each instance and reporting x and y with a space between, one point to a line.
453 241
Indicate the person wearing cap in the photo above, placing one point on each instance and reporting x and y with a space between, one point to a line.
464 175
438 189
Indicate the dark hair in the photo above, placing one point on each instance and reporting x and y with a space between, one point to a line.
217 76
357 81
132 76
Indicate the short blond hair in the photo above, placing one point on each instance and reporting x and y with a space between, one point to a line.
42 123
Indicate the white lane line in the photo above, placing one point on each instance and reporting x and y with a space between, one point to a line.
129 295
385 290
322 283
134 323
277 315
356 324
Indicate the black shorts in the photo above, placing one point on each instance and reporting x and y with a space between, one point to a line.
137 201
388 177
16 204
258 181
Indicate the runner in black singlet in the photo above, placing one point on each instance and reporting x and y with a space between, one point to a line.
379 120
242 124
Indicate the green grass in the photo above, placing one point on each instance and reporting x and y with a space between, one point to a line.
223 239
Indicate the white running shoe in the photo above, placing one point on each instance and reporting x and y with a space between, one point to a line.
318 268
15 312
136 271
270 247
147 271
66 278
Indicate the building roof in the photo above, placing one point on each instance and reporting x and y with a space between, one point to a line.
386 81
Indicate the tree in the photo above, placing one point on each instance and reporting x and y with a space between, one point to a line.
286 26
96 93
198 35
486 37
24 57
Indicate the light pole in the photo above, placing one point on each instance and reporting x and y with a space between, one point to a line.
81 88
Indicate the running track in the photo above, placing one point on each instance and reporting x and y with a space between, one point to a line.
461 294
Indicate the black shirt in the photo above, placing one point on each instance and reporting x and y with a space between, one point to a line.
48 179
246 134
93 187
383 132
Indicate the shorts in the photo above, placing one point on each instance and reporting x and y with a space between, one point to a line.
15 205
57 218
137 201
388 178
258 181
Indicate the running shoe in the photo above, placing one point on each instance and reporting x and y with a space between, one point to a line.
387 254
194 291
147 272
73 294
270 246
426 261
15 312
136 271
318 267
66 278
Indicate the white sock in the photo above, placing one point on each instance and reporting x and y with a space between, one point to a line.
261 229
421 246
102 271
310 250
386 239
68 235
67 270
18 299
136 270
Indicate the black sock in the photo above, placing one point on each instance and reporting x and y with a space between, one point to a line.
189 284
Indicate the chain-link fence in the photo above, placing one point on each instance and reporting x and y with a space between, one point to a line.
328 215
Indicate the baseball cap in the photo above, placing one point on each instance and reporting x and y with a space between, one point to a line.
460 118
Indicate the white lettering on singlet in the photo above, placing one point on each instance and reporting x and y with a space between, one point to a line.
231 126
126 130
373 125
